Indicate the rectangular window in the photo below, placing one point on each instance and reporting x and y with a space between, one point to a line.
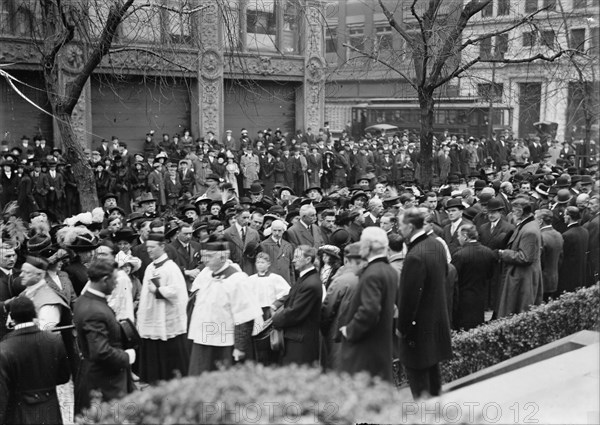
531 6
577 39
529 39
501 45
548 38
503 7
485 48
487 90
261 25
579 4
356 39
550 4
178 27
291 30
384 38
330 40
231 24
488 10
595 41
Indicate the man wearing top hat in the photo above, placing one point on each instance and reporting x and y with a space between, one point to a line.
162 319
223 313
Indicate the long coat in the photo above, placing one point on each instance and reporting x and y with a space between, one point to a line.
8 188
474 266
281 258
450 238
369 321
572 272
32 364
423 321
592 227
25 198
105 364
300 317
552 252
522 272
237 247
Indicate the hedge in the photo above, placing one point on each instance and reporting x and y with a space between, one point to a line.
256 394
502 339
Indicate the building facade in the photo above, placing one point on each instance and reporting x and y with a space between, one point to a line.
201 65
488 97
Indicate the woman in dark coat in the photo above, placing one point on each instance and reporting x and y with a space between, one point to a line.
25 198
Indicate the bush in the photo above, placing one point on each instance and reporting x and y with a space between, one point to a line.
508 337
256 394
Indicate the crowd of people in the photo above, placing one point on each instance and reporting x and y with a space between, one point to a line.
306 251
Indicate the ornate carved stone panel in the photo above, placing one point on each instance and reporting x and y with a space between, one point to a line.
210 71
314 75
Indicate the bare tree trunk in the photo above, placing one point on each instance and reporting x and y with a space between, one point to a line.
427 104
74 155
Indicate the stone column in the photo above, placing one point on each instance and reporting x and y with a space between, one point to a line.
210 71
311 98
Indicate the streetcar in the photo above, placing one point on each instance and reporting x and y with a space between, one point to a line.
462 117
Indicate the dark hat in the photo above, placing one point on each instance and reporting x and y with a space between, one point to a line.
572 171
453 178
485 198
289 189
575 178
171 228
119 209
227 186
189 207
83 243
251 249
38 243
156 237
455 203
245 200
563 196
489 161
315 187
470 213
542 189
352 250
585 179
37 262
562 182
52 162
213 177
480 184
495 204
291 214
108 196
146 197
357 195
256 188
125 234
340 238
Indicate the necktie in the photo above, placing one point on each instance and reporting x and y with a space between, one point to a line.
243 234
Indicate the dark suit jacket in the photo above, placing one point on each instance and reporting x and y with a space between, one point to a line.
300 318
185 260
423 320
572 272
452 239
237 247
9 288
552 252
298 235
32 363
498 239
592 226
369 321
281 258
105 364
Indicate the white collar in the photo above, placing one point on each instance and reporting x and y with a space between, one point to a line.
6 271
24 325
370 260
95 292
303 272
416 235
34 288
304 224
161 258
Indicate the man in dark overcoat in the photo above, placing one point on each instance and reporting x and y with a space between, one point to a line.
367 325
474 265
187 253
572 272
423 322
280 251
300 315
593 227
552 252
522 269
32 363
105 365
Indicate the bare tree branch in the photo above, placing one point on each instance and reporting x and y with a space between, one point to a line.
473 7
150 52
526 19
390 17
163 7
539 56
113 21
376 58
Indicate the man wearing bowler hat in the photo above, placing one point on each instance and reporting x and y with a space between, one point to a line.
454 209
